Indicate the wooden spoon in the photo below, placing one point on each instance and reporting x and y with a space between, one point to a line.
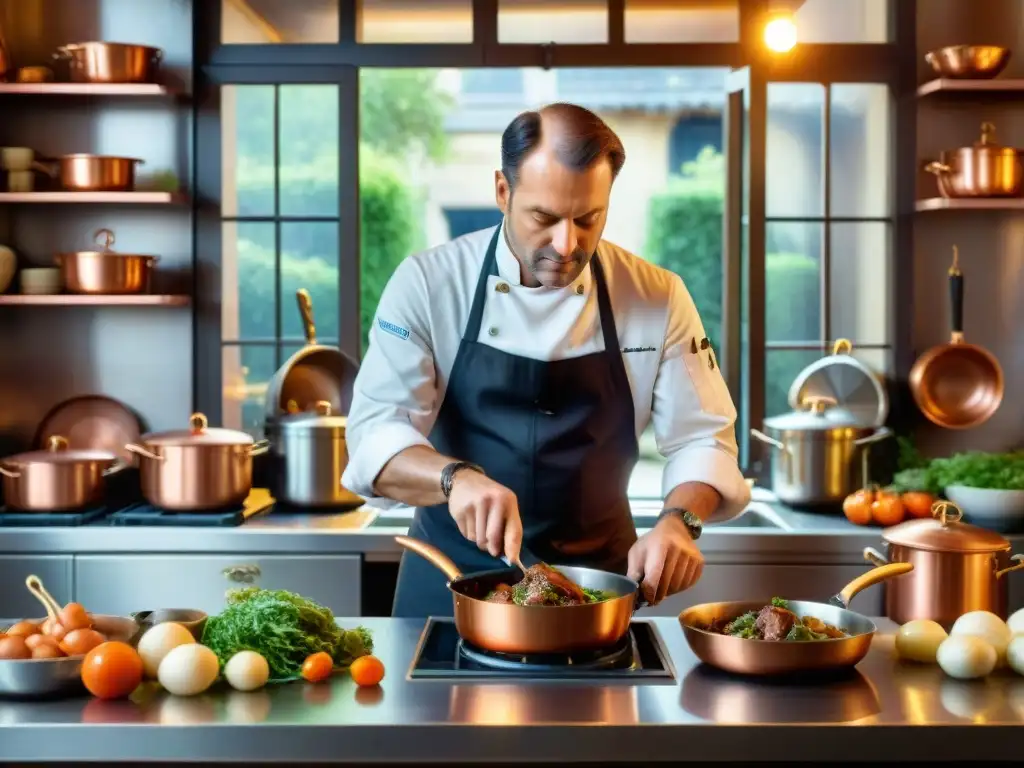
35 586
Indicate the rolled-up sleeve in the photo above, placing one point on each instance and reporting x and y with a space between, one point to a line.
395 392
693 415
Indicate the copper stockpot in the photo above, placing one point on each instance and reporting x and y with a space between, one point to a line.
958 568
510 628
743 656
957 385
198 468
105 272
983 170
57 479
98 62
96 173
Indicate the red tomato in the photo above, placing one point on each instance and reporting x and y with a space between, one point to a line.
112 670
318 667
887 510
367 670
857 507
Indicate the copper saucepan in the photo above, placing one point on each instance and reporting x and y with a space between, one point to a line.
94 173
510 628
105 272
779 657
983 170
957 385
103 62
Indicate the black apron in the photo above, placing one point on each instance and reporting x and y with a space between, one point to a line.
561 435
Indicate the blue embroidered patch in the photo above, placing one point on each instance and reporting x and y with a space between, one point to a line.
394 330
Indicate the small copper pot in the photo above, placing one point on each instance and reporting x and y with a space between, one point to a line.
96 173
57 479
101 62
198 468
105 272
958 568
983 170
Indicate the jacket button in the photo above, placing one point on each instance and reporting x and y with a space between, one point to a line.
493 331
579 290
501 288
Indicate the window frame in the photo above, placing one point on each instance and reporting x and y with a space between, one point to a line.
218 64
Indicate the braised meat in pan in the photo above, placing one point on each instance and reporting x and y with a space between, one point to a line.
776 621
543 585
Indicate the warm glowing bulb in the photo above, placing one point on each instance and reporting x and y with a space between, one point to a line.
780 34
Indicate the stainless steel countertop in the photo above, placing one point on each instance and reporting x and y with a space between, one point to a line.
805 537
431 721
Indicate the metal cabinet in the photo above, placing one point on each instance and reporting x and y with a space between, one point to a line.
16 602
121 584
721 582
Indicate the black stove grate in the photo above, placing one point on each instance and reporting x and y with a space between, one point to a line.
18 519
444 655
143 513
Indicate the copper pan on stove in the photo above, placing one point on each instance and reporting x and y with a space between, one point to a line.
509 628
957 385
781 657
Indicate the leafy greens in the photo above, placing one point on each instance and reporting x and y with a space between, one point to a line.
284 628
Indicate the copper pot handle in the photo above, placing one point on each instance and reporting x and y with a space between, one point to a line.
1018 559
306 310
872 577
875 557
9 473
938 169
842 347
145 453
259 448
63 53
432 554
776 444
113 469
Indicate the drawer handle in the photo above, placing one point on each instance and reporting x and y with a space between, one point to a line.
242 574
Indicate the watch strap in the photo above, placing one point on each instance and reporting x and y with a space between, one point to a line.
693 523
449 472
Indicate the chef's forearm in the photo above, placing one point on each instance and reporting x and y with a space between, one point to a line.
413 477
699 498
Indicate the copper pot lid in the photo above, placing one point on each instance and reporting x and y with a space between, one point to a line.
856 389
58 451
105 237
945 533
198 433
320 417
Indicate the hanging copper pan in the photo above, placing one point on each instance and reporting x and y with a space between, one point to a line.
957 385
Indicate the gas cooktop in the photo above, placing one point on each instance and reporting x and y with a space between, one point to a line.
443 655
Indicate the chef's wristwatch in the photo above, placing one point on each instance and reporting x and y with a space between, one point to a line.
693 523
449 472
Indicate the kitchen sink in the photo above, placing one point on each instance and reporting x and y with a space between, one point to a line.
753 518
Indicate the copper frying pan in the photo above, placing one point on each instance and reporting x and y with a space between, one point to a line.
509 628
957 385
767 657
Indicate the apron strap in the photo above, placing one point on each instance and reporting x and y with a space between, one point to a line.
490 267
604 309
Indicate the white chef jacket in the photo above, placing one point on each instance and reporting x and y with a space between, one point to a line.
423 313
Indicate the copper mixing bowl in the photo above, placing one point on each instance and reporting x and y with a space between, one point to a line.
980 62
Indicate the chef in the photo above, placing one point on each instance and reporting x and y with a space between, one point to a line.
510 372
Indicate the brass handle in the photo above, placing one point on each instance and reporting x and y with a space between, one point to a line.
818 403
242 574
941 511
56 444
875 557
145 453
113 469
322 408
259 448
306 310
104 237
9 473
988 131
35 586
937 169
842 347
198 423
1019 566
871 578
432 554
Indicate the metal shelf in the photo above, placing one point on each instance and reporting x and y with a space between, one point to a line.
88 89
971 204
91 300
134 198
949 85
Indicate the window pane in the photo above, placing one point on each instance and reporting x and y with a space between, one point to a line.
247 150
246 371
780 370
861 133
843 21
792 280
682 21
861 279
429 151
247 280
308 116
415 21
544 21
257 22
309 259
794 162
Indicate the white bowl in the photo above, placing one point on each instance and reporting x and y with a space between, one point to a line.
40 281
989 507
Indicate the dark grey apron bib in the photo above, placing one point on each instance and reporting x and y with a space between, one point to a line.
561 435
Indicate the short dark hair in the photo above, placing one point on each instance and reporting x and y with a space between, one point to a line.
584 140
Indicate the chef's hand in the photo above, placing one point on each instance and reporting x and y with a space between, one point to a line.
665 560
487 514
